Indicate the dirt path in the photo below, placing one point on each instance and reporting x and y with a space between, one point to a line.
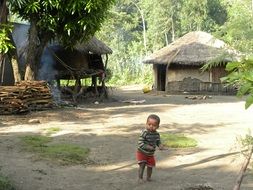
111 129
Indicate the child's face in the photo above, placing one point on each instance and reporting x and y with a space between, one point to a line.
152 124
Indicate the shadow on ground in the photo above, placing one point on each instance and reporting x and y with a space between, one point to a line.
114 167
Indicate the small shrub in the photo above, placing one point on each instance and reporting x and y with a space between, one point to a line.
177 141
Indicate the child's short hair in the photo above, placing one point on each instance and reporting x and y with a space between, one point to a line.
153 116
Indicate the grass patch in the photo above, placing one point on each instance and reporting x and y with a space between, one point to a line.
177 141
62 153
35 143
52 130
66 153
5 183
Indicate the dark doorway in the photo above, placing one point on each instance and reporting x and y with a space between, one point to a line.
161 77
217 73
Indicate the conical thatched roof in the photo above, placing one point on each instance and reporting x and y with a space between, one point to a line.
94 46
194 48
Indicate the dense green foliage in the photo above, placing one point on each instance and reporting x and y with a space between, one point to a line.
69 21
238 28
241 76
5 43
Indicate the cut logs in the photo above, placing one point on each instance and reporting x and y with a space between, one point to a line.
25 96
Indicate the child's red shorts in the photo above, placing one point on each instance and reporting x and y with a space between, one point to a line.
149 160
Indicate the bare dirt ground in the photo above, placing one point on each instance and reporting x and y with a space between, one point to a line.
111 128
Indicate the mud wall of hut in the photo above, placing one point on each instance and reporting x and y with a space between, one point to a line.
180 74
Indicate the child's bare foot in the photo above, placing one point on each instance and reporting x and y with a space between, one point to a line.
140 181
149 179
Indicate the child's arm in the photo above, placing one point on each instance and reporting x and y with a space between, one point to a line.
162 147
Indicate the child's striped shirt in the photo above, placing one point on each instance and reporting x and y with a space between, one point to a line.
148 138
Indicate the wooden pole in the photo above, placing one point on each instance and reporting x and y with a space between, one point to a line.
243 170
3 69
167 68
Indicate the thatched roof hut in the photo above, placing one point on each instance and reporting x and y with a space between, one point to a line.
94 46
194 48
85 57
84 60
177 66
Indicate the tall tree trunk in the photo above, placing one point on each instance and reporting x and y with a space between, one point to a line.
12 53
15 68
3 20
143 26
34 52
13 57
2 62
3 11
33 42
172 28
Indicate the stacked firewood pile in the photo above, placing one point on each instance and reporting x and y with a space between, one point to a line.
25 96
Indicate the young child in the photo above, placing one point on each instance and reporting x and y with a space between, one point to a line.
147 143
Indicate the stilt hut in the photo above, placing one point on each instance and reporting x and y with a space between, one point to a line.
85 60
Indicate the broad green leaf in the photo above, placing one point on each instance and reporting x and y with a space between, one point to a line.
234 77
249 76
249 101
248 61
232 66
244 89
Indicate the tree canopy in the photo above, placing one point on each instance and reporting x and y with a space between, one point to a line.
69 21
